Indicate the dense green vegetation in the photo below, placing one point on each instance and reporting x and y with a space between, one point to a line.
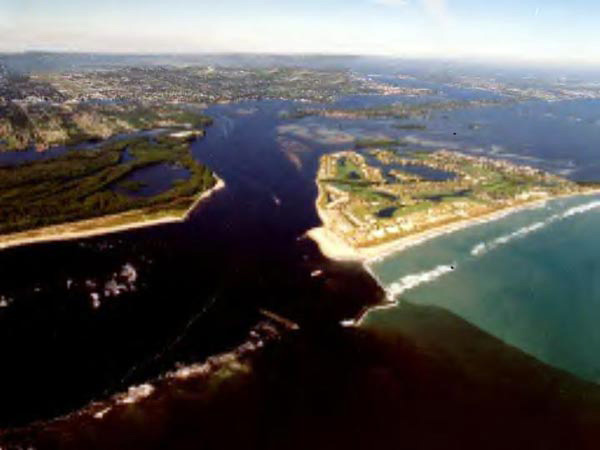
80 184
144 117
399 111
132 185
349 177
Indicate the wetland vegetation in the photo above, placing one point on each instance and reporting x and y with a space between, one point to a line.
80 184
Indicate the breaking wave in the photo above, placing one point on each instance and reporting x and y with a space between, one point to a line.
484 247
581 209
479 249
412 281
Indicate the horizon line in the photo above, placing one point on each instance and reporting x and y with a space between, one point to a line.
491 60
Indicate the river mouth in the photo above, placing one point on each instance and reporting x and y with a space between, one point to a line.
200 284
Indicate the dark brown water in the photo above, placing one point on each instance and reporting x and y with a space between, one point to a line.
199 287
428 382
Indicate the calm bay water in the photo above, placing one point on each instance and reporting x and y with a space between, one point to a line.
532 279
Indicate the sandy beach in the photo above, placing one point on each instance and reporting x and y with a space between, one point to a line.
99 226
336 248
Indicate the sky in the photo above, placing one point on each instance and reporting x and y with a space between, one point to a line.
520 30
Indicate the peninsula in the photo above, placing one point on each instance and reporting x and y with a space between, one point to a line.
121 184
378 200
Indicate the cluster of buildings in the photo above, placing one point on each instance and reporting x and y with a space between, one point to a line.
455 161
380 88
26 90
532 89
377 211
152 84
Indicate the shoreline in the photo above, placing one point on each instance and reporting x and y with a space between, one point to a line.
336 248
100 226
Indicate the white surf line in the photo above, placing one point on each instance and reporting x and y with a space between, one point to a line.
429 235
581 209
414 280
411 281
402 285
484 247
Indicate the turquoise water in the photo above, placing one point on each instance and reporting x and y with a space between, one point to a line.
531 279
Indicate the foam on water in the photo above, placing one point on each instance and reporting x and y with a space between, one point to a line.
414 280
541 296
484 247
581 209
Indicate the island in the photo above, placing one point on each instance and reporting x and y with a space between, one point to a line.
397 110
377 199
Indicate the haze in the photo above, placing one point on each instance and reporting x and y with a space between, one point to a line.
521 30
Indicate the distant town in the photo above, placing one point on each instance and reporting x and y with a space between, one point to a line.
41 106
63 108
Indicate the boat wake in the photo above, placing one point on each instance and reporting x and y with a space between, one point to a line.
227 126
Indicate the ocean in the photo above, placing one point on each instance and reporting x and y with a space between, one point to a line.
532 279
